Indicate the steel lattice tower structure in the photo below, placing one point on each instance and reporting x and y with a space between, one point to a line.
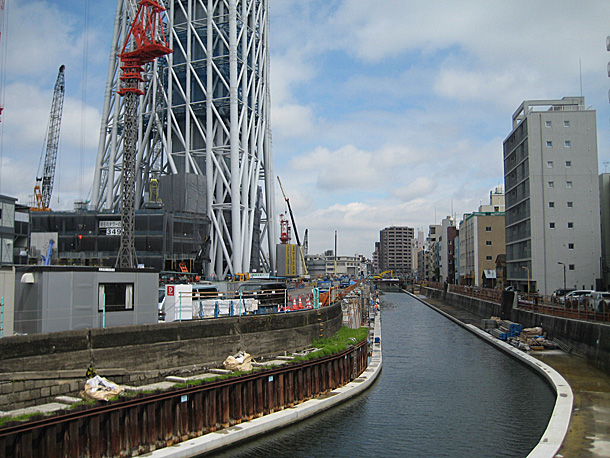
205 111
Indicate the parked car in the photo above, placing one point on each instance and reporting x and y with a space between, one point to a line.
204 290
558 295
577 298
599 301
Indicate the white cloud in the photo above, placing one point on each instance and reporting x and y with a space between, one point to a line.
291 120
421 187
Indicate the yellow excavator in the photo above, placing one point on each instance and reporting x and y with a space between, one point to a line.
380 276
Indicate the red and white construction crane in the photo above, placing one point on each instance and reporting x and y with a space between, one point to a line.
147 41
44 182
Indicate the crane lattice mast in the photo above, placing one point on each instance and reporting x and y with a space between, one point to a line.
148 40
44 183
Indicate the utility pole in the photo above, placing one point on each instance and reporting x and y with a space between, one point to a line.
564 275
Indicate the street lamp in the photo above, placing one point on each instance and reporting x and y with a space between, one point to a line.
528 279
564 275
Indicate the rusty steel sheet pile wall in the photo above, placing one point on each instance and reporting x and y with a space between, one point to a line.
134 427
163 345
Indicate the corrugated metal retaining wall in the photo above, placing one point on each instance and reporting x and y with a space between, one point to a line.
138 426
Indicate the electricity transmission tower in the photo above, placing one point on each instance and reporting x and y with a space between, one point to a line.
204 111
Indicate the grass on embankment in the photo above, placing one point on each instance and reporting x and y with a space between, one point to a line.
326 347
336 344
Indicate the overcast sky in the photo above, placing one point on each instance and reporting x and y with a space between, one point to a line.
384 112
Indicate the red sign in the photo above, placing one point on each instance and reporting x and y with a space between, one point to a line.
170 290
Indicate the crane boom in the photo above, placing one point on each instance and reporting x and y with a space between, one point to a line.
44 184
296 232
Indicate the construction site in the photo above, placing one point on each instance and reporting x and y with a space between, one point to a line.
183 175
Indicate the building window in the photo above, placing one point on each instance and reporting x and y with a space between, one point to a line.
551 225
115 297
571 267
488 229
570 204
568 163
569 184
551 184
551 204
488 243
570 225
570 246
566 124
488 258
549 164
548 123
549 144
567 143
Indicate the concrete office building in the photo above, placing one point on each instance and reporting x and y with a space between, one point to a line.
552 196
604 198
396 249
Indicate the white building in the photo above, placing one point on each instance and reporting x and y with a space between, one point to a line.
552 196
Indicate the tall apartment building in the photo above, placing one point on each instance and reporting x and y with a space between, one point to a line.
418 245
446 248
431 257
396 249
552 196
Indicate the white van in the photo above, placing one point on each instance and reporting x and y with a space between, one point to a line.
577 299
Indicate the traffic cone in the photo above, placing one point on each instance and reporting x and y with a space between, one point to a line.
294 303
300 303
308 302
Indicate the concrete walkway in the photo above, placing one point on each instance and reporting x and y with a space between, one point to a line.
250 429
588 434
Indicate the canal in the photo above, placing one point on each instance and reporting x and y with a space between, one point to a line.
442 393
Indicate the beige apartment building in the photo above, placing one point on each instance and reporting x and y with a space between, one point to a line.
482 239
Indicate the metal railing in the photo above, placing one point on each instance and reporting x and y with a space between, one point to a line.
576 309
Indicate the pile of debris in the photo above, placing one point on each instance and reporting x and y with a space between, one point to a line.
525 339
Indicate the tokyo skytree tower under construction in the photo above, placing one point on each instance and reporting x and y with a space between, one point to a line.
203 125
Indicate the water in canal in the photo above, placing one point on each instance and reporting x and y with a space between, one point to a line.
442 393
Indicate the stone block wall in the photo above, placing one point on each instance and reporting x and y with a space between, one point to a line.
36 368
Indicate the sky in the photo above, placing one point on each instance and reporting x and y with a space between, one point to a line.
384 112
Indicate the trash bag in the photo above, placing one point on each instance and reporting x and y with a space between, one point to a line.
242 361
101 389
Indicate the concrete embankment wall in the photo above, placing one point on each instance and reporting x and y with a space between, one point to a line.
587 339
132 354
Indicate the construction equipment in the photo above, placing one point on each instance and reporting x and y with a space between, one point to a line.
381 275
2 2
47 259
44 182
148 42
296 232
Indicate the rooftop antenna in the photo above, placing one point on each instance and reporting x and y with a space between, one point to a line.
580 71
